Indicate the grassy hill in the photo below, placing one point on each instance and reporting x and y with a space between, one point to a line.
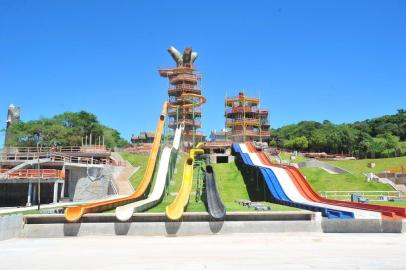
361 166
321 180
232 187
230 184
137 160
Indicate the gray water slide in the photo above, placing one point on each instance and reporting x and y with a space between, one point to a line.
215 205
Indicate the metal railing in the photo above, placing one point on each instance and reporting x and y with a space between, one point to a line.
398 169
239 98
58 157
33 173
248 133
246 121
371 195
62 149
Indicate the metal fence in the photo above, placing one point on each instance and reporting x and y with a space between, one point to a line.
371 195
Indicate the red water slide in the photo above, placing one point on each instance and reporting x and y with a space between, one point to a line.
305 189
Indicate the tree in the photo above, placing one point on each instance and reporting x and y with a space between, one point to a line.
66 129
377 146
298 143
354 138
391 142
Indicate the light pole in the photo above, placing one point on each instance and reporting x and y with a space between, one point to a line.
39 180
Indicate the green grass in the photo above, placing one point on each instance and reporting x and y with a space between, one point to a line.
173 187
400 204
361 166
193 205
230 184
287 156
321 180
27 212
137 160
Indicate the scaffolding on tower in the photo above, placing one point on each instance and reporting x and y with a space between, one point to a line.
185 95
245 121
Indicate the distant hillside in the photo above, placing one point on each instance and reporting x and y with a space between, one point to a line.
378 137
64 129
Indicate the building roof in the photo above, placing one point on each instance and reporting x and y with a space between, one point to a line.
143 135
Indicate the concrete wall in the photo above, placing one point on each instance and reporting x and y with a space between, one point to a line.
10 226
318 164
157 224
400 180
90 183
364 226
54 225
213 158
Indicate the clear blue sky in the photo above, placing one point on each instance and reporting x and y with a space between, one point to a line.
308 60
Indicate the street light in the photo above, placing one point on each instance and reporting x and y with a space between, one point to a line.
39 180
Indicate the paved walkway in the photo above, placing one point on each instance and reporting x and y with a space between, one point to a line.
238 251
122 181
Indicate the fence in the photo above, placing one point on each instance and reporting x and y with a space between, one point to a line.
33 173
399 169
371 195
64 149
58 157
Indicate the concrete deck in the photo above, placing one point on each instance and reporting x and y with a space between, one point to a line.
234 251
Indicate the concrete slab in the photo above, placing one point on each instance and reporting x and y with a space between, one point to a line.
231 251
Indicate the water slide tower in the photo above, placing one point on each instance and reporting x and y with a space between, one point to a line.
185 95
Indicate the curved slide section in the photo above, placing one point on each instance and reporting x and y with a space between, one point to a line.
125 212
175 210
215 205
73 214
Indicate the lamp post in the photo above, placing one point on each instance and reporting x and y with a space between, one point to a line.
39 180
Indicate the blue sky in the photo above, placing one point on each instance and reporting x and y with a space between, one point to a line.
308 60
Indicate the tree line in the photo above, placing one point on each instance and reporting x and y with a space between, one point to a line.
373 138
66 129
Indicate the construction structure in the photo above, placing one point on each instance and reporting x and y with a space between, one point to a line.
184 94
49 174
143 137
13 117
245 121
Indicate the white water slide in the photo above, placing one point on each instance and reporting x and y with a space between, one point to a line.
294 195
125 212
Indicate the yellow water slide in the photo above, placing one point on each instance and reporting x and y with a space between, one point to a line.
73 214
175 210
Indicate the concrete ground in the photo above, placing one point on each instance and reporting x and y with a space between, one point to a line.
237 251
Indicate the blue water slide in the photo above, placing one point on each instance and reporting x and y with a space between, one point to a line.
280 196
271 179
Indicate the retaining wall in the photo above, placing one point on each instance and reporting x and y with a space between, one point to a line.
141 224
318 164
11 226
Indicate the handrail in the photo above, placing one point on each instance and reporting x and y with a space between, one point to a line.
33 173
23 157
245 98
371 194
42 149
249 133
